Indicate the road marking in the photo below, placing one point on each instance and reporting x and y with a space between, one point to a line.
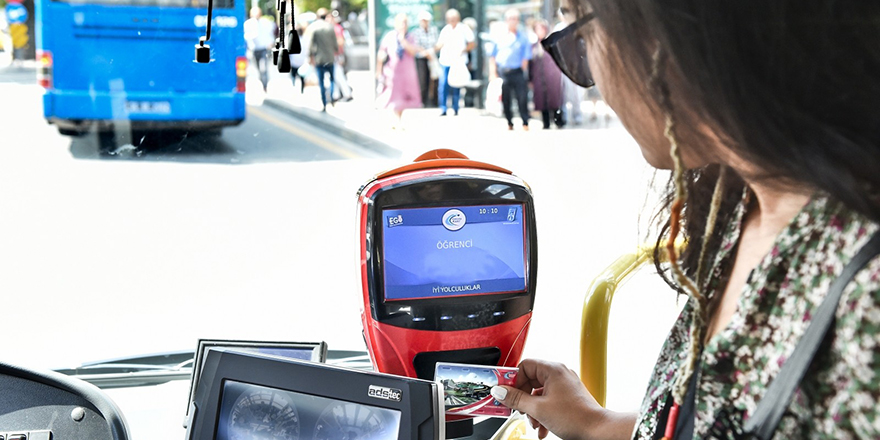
315 139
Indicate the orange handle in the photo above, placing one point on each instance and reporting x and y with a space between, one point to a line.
442 158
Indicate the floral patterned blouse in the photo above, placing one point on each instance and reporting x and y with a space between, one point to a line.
839 397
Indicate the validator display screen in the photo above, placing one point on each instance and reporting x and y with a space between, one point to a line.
453 251
254 412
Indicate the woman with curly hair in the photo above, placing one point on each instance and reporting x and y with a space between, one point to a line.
766 111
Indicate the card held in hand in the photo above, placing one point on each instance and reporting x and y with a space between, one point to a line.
466 388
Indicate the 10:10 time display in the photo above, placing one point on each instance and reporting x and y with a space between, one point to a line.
488 210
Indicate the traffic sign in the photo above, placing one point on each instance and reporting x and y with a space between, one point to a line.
19 34
16 13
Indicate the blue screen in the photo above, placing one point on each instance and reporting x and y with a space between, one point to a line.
453 251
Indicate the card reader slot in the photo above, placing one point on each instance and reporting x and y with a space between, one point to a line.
425 362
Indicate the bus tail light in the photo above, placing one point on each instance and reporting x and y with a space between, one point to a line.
240 73
44 72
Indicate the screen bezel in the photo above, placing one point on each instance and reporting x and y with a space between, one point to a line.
420 402
468 188
525 251
318 350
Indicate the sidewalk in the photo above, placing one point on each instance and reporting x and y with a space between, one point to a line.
423 129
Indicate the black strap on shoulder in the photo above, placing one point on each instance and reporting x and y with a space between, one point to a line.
763 422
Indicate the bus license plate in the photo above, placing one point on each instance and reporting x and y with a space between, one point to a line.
151 107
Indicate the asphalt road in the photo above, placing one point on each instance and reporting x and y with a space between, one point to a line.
113 246
266 135
194 231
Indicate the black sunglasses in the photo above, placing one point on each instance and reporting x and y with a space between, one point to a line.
569 51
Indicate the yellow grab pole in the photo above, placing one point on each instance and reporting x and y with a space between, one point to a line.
594 318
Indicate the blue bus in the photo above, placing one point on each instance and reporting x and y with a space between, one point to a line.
106 62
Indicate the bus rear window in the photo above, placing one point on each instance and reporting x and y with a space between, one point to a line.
160 3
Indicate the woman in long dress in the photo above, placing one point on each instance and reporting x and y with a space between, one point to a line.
546 80
397 75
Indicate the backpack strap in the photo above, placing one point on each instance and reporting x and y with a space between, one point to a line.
763 422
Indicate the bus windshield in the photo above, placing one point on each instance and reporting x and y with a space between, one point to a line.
148 201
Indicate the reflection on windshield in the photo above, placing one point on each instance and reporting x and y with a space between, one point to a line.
148 201
155 3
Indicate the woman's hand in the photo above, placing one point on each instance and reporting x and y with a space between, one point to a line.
555 400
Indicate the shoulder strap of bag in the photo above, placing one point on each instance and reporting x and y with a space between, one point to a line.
763 422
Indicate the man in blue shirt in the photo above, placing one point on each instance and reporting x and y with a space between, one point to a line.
510 60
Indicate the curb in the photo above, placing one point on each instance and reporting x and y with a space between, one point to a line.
336 128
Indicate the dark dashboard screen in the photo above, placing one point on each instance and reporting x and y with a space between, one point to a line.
454 251
253 412
307 351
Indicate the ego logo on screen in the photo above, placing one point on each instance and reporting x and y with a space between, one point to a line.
454 220
396 220
378 392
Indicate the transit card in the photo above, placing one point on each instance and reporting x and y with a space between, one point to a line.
466 388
